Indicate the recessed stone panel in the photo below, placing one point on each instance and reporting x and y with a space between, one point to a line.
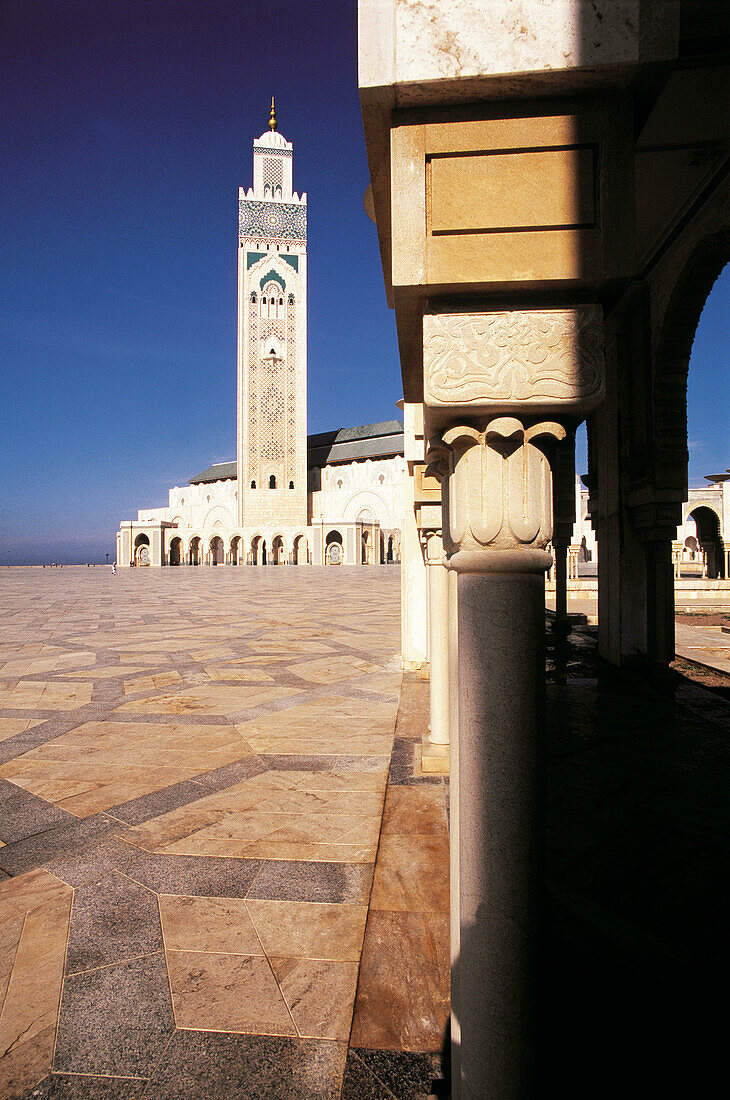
514 189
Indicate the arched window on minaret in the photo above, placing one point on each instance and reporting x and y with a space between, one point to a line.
272 482
253 484
253 297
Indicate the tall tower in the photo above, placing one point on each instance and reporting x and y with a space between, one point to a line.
272 340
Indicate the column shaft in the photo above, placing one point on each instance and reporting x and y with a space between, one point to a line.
560 553
501 690
438 625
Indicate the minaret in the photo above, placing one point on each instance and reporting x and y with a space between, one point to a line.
272 340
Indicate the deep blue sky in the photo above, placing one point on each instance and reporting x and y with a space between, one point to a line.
126 129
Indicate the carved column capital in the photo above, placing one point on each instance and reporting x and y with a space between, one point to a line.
498 498
433 546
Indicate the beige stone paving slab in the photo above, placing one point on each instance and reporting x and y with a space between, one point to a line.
309 929
227 822
110 672
276 644
286 828
223 992
44 695
61 662
320 994
101 764
386 682
306 744
144 661
221 700
10 931
349 780
10 726
263 659
244 675
151 682
273 848
218 654
41 905
331 670
208 924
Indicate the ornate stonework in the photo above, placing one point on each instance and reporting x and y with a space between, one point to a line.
499 486
542 358
272 220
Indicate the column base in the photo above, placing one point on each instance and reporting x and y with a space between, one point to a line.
434 757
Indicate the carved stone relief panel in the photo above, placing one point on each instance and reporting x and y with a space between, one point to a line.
505 360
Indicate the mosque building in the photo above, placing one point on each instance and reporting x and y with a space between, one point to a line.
327 499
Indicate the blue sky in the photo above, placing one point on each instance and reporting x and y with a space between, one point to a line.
126 130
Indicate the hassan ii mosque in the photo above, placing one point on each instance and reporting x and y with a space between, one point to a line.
328 499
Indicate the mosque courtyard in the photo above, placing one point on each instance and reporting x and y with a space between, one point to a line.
223 874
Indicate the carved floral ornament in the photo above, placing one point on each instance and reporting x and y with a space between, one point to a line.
541 358
498 490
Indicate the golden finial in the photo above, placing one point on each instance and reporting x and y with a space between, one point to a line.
272 116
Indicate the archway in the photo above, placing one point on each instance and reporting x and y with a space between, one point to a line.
710 541
217 551
300 552
277 551
255 549
176 551
236 550
390 552
365 542
194 552
679 331
141 550
333 554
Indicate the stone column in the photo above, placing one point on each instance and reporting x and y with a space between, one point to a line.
438 626
498 390
564 522
499 504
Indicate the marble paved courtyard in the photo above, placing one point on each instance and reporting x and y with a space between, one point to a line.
193 775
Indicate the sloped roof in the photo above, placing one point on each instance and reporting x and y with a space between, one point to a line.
383 440
219 471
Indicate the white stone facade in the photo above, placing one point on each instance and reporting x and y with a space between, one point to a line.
701 545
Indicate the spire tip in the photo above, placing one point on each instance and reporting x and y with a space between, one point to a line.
272 116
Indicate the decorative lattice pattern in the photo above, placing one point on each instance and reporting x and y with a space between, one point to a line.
273 172
284 221
268 150
271 400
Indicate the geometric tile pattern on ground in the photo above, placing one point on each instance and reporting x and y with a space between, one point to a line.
193 765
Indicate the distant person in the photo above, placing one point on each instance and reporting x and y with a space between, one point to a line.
114 570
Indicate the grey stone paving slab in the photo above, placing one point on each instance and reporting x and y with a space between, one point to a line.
22 814
63 1086
294 880
40 849
116 1020
200 876
382 1074
96 860
112 920
230 774
205 1065
152 805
